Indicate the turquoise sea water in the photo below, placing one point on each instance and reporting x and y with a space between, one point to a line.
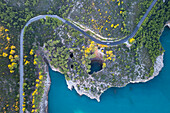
150 97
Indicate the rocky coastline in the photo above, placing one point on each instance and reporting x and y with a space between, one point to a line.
157 68
47 83
44 102
167 24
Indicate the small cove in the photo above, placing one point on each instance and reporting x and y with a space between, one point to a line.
150 97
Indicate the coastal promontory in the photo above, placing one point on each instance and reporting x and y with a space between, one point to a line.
94 44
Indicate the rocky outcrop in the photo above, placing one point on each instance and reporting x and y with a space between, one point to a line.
71 85
168 24
157 68
81 91
44 99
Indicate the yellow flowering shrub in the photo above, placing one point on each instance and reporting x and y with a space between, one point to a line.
4 54
12 51
35 62
101 45
23 109
131 40
12 60
31 52
33 106
37 85
10 66
104 65
11 71
14 64
8 39
6 48
37 80
27 62
6 30
119 4
32 111
10 57
110 52
16 57
13 47
40 77
109 58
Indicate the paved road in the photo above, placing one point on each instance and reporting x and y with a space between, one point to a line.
77 28
120 41
21 53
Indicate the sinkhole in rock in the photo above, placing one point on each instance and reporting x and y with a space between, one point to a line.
96 65
72 66
71 55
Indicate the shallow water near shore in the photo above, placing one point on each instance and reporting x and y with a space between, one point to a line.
150 97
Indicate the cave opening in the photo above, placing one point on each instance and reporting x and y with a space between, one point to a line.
71 55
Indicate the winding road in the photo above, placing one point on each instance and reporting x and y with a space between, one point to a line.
77 28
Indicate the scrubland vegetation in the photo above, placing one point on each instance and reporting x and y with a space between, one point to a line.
70 51
114 19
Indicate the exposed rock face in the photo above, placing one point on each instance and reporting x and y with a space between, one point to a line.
44 103
158 65
71 84
157 68
44 100
81 92
168 24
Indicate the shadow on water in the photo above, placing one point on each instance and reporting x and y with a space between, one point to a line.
150 97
